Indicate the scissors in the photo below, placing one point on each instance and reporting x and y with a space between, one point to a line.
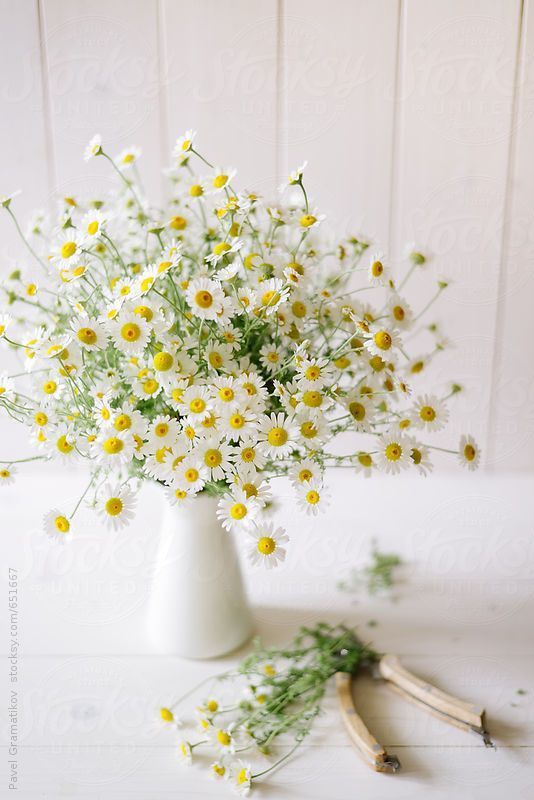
450 709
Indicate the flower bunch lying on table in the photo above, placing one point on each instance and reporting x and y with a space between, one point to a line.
280 693
212 346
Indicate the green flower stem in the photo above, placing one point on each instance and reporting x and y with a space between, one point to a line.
26 242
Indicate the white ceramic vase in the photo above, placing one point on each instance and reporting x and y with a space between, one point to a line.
198 606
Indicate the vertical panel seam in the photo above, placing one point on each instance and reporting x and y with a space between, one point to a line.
395 127
47 110
500 305
281 99
163 93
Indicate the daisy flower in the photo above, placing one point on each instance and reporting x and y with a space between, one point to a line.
271 294
430 413
383 341
92 223
305 471
311 428
221 177
247 453
242 778
277 434
468 453
116 505
177 496
56 525
195 404
163 432
130 333
311 220
271 357
62 445
216 456
400 312
191 474
377 274
7 387
312 497
364 463
184 144
267 547
253 484
204 297
236 511
223 249
113 448
361 410
420 456
238 423
7 475
68 248
314 373
185 753
219 356
393 454
128 157
88 332
227 391
94 148
5 322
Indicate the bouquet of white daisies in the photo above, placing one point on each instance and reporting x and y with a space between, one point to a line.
212 346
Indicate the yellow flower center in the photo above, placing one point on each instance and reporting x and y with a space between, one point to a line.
312 399
40 418
197 405
298 309
270 298
123 422
237 421
248 454
250 490
238 511
163 361
178 223
416 455
68 249
277 437
221 248
398 313
191 475
226 394
113 445
87 335
4 473
469 452
224 738
393 451
357 410
166 714
242 776
49 387
307 220
365 459
212 458
312 497
312 373
308 429
63 445
196 190
305 475
62 524
212 706
162 429
114 506
130 332
427 414
382 340
150 386
145 312
377 268
204 299
219 181
266 545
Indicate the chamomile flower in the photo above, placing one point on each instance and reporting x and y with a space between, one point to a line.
247 453
393 454
5 322
116 505
94 148
383 341
304 471
185 753
237 511
311 428
130 333
267 546
7 475
93 223
178 496
57 526
311 220
361 411
128 157
430 413
271 357
61 445
312 497
241 778
191 474
89 333
7 387
238 423
227 392
184 144
277 434
221 178
222 250
420 456
314 373
196 403
271 294
163 432
378 272
113 448
216 456
68 249
400 312
468 453
204 297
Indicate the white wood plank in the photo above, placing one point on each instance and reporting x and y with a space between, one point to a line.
221 81
456 97
511 434
338 67
103 74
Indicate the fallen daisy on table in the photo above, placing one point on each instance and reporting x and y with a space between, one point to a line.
212 346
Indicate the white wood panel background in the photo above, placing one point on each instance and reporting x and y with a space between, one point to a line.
416 117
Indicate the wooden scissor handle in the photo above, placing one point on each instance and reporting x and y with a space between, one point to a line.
374 753
451 709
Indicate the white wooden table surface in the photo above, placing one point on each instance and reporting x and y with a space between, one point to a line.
89 685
